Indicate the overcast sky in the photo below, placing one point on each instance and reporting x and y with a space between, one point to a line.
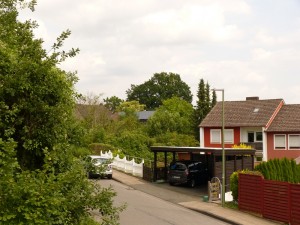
246 47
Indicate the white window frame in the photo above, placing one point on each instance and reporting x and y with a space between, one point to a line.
255 136
289 143
216 136
279 148
213 136
228 133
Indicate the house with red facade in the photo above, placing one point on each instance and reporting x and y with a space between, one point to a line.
270 126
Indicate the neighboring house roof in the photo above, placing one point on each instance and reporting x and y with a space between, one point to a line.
144 115
287 120
251 112
141 115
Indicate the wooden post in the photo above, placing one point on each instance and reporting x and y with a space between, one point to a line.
166 166
155 167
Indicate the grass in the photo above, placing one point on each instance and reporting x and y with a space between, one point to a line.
231 205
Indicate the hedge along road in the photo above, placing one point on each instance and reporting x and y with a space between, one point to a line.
146 209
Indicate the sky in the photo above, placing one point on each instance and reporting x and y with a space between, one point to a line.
246 47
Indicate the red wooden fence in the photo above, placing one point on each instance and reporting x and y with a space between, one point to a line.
276 200
250 193
272 199
295 204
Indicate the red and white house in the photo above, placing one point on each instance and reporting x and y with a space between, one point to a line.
270 126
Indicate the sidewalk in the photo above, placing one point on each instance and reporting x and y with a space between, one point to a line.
211 209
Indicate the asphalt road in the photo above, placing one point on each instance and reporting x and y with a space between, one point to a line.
146 209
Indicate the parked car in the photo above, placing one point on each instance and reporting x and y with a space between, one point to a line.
187 172
99 166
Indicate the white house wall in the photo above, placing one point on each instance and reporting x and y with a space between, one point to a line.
245 130
201 137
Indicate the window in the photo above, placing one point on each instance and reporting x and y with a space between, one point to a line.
215 136
279 141
250 136
255 136
228 136
258 136
294 141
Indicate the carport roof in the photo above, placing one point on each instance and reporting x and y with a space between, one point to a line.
214 151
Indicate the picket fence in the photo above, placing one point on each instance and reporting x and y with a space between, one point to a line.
127 166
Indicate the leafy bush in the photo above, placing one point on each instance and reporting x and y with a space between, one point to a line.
234 182
96 148
280 170
242 146
47 196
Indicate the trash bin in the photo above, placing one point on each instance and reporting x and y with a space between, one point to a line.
205 198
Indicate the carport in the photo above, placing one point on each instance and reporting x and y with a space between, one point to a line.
236 159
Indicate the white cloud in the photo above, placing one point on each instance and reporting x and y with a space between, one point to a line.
246 47
260 54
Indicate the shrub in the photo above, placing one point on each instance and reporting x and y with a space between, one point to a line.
242 146
234 182
59 193
280 170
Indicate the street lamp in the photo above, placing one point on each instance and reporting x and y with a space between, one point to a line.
223 150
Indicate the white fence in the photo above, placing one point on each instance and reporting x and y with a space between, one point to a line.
124 165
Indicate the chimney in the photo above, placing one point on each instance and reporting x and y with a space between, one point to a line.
252 98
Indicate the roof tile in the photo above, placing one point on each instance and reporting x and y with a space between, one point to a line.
287 120
242 113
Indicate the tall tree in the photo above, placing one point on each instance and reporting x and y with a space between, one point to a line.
46 183
204 103
160 87
33 112
214 99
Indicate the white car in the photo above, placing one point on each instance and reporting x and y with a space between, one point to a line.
101 166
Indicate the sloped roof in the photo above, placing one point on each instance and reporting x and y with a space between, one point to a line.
252 112
287 119
144 115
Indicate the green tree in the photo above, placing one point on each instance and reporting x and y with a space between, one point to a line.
175 115
160 87
204 104
112 103
41 181
33 112
130 107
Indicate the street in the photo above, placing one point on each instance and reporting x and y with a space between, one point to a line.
145 209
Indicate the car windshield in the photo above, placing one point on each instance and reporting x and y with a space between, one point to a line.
178 166
99 160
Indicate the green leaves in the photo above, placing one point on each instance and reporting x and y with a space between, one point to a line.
175 115
160 87
280 170
41 180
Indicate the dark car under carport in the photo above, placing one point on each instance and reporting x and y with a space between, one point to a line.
236 159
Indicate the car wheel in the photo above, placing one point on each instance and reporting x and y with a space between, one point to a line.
192 183
109 176
171 183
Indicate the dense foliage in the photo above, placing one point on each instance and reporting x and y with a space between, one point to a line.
112 103
280 170
204 104
160 87
174 115
42 182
